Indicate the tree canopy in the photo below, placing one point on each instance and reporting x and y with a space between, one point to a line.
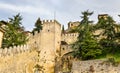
38 25
109 31
86 47
14 32
63 30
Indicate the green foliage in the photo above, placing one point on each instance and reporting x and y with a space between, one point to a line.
109 42
86 47
16 21
38 25
14 32
63 30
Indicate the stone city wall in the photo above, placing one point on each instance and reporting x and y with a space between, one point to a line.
11 51
65 49
23 59
94 66
17 59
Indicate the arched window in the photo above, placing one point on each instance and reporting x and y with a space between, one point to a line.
36 71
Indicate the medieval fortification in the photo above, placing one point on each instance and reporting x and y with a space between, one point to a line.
41 50
44 51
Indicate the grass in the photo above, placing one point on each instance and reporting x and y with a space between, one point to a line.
101 57
116 57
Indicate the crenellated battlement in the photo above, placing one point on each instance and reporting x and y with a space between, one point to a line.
36 33
70 34
48 21
25 57
69 37
11 51
43 45
51 27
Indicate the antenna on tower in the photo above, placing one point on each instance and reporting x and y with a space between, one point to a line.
54 15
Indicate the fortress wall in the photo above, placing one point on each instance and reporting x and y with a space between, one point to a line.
65 49
69 37
11 51
94 66
17 59
22 59
34 39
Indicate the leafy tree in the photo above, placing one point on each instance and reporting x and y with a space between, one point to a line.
63 30
16 21
38 25
14 32
118 31
86 47
109 32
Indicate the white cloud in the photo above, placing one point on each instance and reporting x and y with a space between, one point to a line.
24 9
66 10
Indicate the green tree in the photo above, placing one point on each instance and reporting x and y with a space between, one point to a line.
14 32
16 22
38 25
63 30
86 47
118 31
109 32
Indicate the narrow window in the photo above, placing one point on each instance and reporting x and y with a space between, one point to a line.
48 30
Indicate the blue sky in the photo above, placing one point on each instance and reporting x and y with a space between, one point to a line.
66 10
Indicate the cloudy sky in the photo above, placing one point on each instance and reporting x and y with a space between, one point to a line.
65 10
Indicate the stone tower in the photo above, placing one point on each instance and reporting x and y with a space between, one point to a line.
48 42
51 35
73 24
104 16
